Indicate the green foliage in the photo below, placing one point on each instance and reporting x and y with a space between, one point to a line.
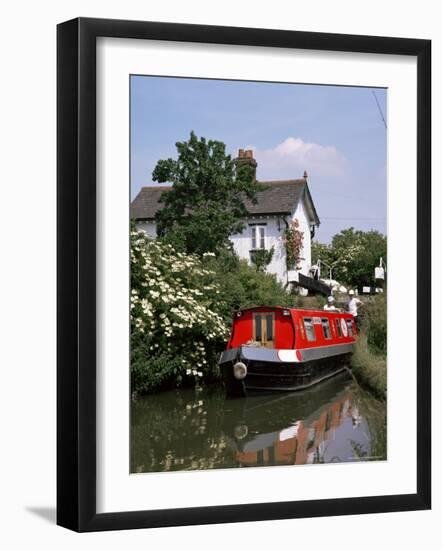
175 329
358 253
322 251
151 372
354 255
242 285
261 258
369 360
375 324
369 368
206 203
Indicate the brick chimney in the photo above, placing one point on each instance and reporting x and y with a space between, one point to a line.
245 158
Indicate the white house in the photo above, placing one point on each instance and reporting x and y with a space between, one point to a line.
279 204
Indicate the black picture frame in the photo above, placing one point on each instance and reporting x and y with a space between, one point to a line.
77 287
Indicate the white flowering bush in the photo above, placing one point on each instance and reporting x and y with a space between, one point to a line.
176 331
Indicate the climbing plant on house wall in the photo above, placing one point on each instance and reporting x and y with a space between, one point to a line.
293 240
261 258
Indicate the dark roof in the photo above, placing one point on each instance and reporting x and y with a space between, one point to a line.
147 203
281 197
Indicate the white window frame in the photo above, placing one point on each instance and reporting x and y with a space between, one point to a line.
309 329
259 237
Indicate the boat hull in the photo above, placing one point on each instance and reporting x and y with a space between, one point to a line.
273 370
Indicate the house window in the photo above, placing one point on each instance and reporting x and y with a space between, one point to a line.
258 237
326 328
309 329
338 327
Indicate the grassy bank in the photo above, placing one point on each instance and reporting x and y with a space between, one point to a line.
369 368
369 360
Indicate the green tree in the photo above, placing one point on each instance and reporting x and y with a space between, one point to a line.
206 203
321 251
241 285
357 254
354 255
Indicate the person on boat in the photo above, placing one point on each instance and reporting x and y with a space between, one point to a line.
330 305
353 306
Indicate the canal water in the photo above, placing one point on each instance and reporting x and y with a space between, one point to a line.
188 429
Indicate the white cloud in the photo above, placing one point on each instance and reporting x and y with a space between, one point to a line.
290 158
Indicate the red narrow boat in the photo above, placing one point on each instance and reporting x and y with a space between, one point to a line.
276 348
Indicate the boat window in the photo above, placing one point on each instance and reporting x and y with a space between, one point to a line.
309 329
264 328
350 327
326 328
338 327
258 328
269 327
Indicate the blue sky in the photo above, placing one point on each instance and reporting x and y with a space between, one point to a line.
335 133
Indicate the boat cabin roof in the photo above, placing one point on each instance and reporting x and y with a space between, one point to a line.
311 311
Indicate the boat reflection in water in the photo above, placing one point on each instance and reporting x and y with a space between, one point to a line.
334 421
298 431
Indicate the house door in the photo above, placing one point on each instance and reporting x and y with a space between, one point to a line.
264 329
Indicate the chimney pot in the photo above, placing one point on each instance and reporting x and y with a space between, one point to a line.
305 174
